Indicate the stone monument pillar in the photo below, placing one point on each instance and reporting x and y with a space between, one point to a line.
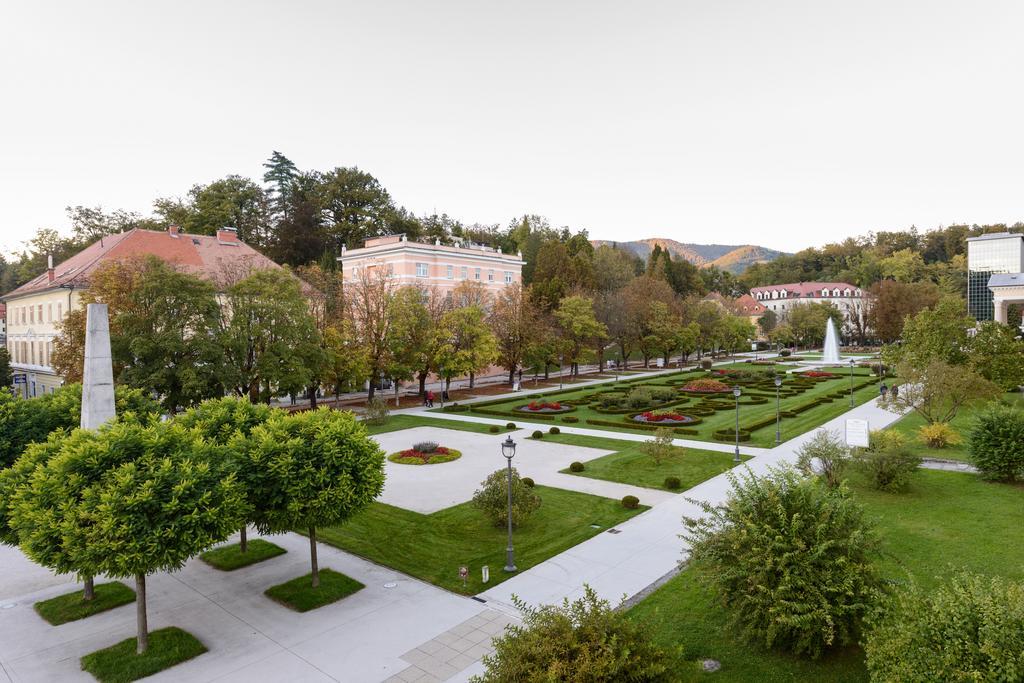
98 373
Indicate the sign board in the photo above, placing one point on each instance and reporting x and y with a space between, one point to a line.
485 573
753 346
857 433
20 379
516 387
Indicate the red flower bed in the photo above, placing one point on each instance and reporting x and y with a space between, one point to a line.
413 453
819 373
534 405
659 417
706 386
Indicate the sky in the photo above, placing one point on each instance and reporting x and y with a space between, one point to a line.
786 124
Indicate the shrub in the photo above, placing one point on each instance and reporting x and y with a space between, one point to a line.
662 394
510 425
576 467
791 560
537 434
639 397
996 443
527 481
494 429
673 483
630 502
888 462
706 386
824 455
971 629
377 411
938 435
660 447
425 446
585 640
554 430
571 419
785 353
611 400
705 364
492 498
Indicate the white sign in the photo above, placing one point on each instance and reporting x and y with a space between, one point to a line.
485 573
857 433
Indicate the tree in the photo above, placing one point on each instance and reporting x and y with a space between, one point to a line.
369 296
824 455
660 448
905 265
492 498
937 390
320 468
232 201
663 329
6 377
585 640
737 332
890 302
996 443
808 321
412 342
934 333
997 354
465 344
710 318
578 327
511 320
298 235
268 335
356 207
176 497
782 335
767 322
281 174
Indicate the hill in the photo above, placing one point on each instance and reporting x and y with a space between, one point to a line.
733 258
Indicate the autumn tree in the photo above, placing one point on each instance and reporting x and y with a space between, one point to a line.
891 302
511 320
578 327
369 295
465 343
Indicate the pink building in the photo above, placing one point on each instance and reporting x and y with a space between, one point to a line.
434 265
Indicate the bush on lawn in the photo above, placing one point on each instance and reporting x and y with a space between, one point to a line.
825 455
537 434
673 483
662 394
425 447
639 397
790 558
377 411
554 430
971 629
576 467
494 429
705 364
571 419
529 482
660 448
996 443
586 640
510 425
492 498
888 462
630 502
785 353
938 435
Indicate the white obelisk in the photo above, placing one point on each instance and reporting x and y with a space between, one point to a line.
98 373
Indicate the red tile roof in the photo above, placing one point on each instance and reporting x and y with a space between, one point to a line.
749 305
804 288
219 259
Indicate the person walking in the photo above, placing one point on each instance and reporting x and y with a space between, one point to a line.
430 399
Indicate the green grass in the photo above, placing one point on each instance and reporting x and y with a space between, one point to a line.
299 594
945 521
71 606
399 422
911 422
230 557
433 547
119 663
630 465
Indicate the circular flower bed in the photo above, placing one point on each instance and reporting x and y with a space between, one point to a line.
544 407
437 456
819 373
706 386
666 417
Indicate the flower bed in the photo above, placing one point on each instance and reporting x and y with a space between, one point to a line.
664 417
411 456
819 373
706 386
544 407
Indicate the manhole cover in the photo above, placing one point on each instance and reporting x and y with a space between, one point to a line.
391 584
614 531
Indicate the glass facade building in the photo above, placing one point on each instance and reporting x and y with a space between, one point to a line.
988 254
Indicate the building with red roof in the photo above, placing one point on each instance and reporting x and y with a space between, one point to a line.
782 298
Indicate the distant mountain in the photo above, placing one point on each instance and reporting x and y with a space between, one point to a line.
732 258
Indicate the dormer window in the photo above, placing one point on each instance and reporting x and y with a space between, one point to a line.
835 292
824 292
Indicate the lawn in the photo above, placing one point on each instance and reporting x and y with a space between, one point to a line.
630 465
299 594
757 405
911 422
433 547
403 421
945 520
230 557
119 663
71 606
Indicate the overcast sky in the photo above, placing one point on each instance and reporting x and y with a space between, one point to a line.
785 124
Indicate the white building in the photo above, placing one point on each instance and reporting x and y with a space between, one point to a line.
783 298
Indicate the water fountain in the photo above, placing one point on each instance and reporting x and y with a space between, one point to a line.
830 354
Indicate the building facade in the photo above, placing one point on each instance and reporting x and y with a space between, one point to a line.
433 265
988 256
783 298
36 309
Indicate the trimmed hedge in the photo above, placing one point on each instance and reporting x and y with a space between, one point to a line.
576 467
630 502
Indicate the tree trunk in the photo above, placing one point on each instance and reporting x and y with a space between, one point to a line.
423 384
142 641
472 378
312 557
244 541
312 397
89 590
546 374
369 394
254 392
512 377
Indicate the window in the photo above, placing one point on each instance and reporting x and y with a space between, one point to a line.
60 313
490 276
49 313
40 313
464 272
476 273
451 272
31 315
508 277
421 270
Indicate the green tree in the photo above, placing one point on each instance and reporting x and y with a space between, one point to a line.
997 354
937 390
6 377
466 344
232 201
934 333
663 329
176 497
320 468
356 206
492 498
905 265
578 327
808 320
511 319
369 297
768 320
412 343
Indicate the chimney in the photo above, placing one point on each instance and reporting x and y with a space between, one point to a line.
227 235
49 268
174 231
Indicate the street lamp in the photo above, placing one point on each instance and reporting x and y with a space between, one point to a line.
508 449
778 413
561 369
852 363
736 394
441 376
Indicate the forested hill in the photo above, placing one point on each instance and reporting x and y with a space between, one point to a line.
728 257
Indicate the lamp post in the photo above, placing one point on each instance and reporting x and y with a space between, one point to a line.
778 412
441 376
736 394
561 369
852 363
508 449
